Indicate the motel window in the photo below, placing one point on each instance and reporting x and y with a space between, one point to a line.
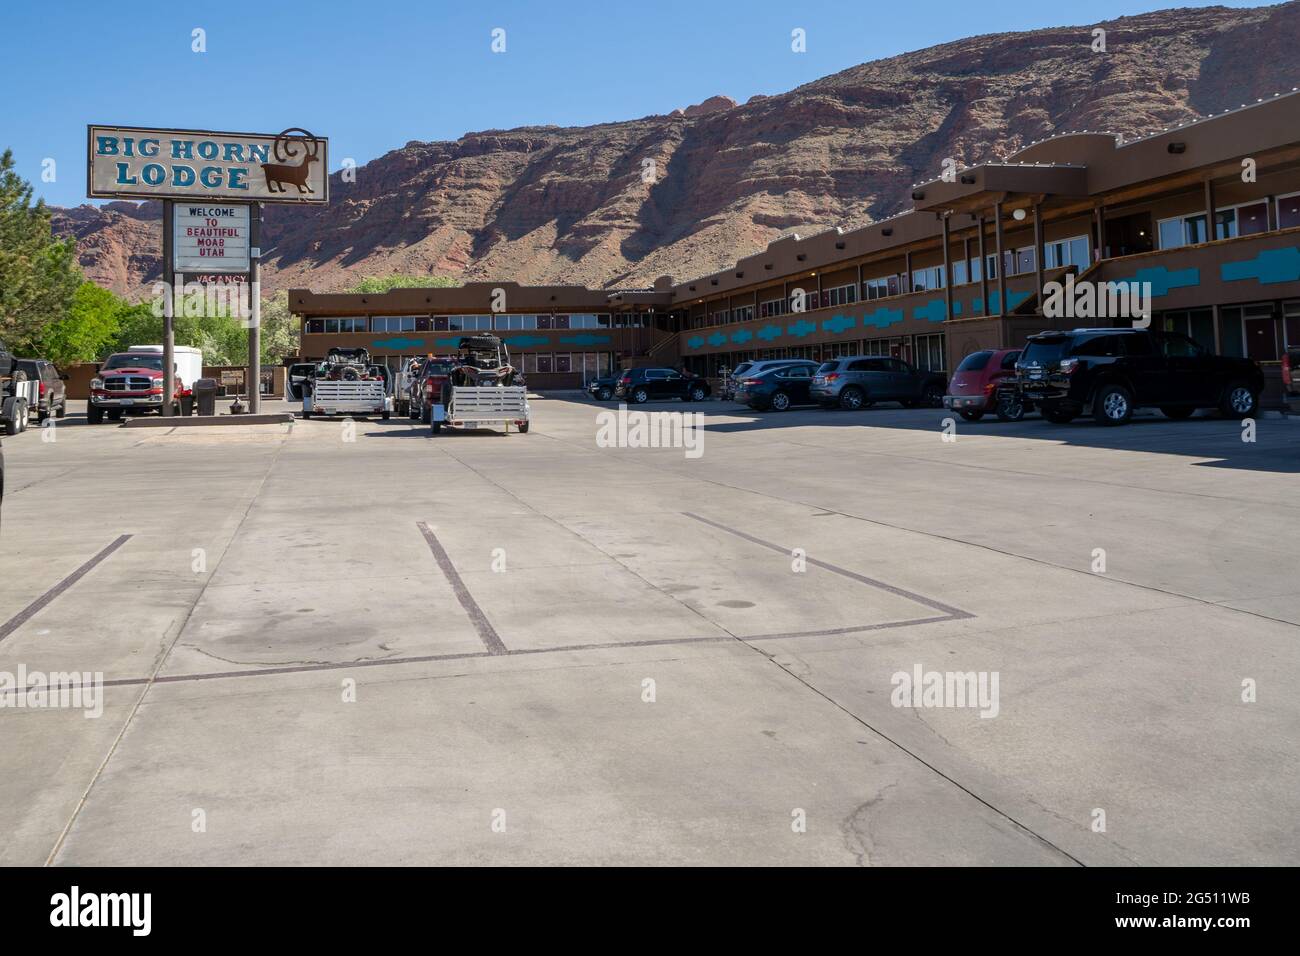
344 325
743 314
875 347
881 287
772 307
840 295
564 363
392 323
1291 325
469 323
1252 219
544 363
959 272
924 280
1066 252
315 326
1187 230
928 351
1288 211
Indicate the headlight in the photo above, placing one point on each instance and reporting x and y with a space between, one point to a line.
96 383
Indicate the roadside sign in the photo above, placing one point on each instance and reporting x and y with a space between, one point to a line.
203 165
210 238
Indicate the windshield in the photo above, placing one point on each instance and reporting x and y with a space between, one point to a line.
828 367
437 368
134 360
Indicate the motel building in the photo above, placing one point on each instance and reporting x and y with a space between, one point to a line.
962 270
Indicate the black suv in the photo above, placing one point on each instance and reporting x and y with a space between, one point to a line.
1114 371
642 384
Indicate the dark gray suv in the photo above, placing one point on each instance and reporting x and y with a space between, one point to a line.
859 381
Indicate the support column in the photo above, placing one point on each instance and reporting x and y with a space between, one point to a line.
1002 264
169 309
907 266
947 269
984 268
1209 211
1099 247
1038 253
255 308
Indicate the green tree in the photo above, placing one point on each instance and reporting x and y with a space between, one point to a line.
90 326
373 285
38 273
279 329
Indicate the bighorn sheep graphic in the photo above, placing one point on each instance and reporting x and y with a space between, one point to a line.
286 147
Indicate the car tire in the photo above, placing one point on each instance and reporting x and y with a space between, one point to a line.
17 412
94 416
1239 401
1177 412
385 415
698 394
852 399
971 414
780 402
1112 405
1011 411
63 409
640 396
932 396
605 394
1058 416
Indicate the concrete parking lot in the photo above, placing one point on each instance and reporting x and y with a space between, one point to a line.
479 648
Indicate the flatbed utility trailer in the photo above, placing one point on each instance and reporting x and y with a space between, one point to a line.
363 397
481 407
18 396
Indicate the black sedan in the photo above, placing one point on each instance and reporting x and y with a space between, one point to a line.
776 388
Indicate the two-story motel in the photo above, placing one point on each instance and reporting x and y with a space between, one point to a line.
962 270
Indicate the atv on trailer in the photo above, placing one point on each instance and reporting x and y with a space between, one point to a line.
346 383
483 390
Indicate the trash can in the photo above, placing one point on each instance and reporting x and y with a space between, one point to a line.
205 395
187 405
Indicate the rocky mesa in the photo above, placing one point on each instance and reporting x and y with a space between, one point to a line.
551 204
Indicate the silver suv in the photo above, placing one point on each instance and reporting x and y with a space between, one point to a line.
859 381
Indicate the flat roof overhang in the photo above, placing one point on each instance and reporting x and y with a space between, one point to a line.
981 186
477 298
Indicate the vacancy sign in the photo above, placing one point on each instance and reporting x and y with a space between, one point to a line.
211 238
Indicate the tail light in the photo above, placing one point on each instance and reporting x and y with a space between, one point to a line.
990 388
752 381
1287 380
831 377
1068 366
41 390
625 380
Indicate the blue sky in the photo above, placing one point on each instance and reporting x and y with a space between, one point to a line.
373 75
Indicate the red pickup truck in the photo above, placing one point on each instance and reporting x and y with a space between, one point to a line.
132 382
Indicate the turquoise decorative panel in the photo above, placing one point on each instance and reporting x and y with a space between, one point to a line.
1163 279
397 344
1269 267
839 323
801 328
883 317
585 339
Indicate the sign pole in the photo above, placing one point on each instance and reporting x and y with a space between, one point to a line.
169 326
255 323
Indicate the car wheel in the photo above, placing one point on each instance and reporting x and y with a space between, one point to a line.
1176 412
780 402
697 394
94 415
1239 401
1011 410
17 413
971 414
852 398
1113 405
1057 416
640 396
932 396
605 394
